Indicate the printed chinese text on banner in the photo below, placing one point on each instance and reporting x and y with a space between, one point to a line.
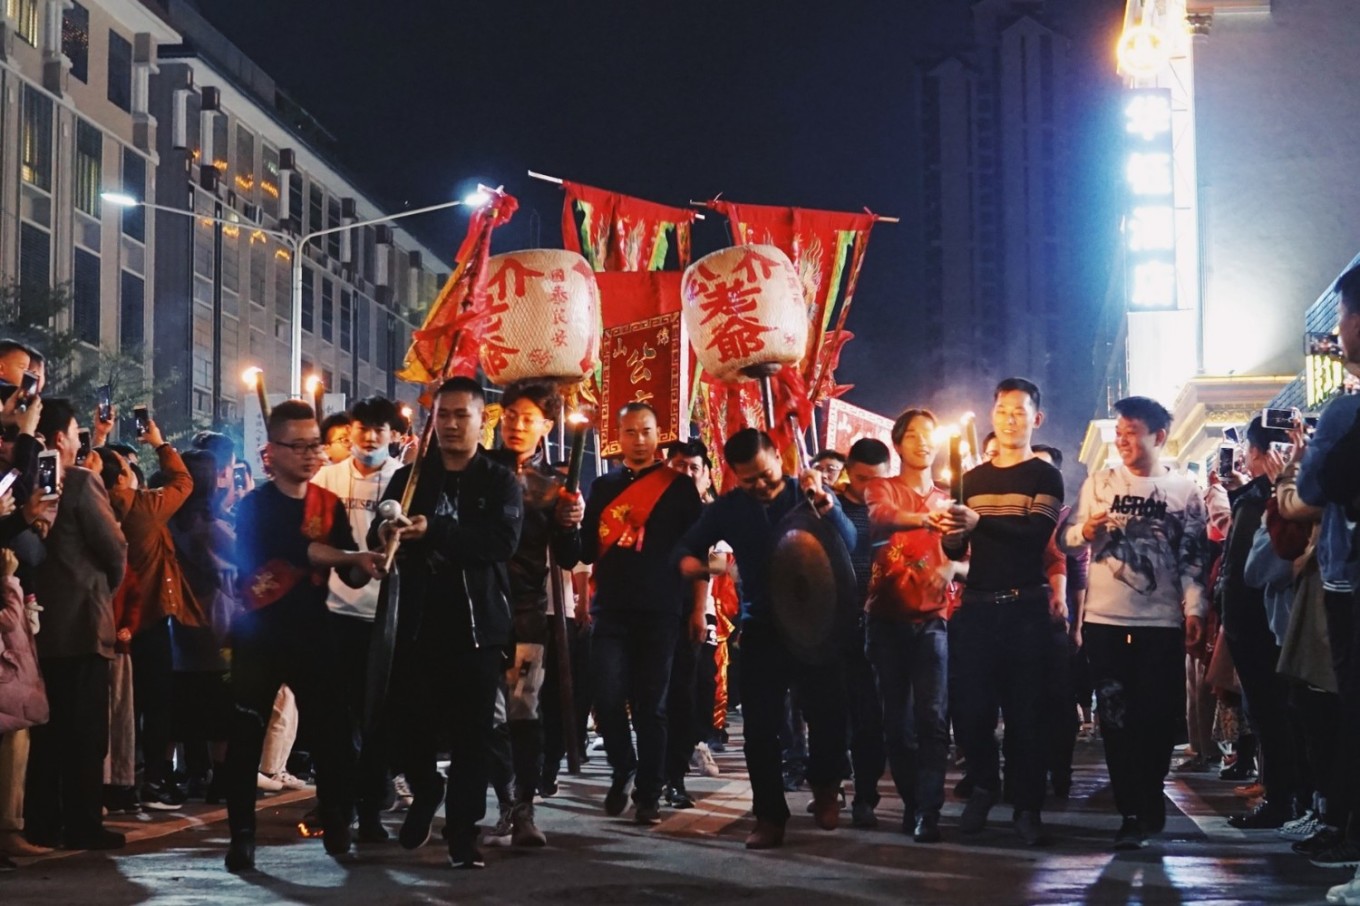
621 233
846 423
827 248
449 340
643 361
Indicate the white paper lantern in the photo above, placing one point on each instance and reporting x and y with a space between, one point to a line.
744 311
545 317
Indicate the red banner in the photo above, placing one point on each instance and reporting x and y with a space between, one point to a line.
827 248
644 361
621 233
846 424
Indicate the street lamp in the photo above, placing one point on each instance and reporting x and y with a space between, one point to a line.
295 245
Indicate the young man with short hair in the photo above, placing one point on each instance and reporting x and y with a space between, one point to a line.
746 517
999 634
633 519
529 410
1145 527
359 480
908 636
867 462
290 534
335 435
454 624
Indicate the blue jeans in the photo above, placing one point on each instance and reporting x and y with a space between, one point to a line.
630 658
1000 654
911 661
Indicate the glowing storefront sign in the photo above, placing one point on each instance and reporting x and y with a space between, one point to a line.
1150 215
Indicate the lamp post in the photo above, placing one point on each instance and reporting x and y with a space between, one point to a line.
296 245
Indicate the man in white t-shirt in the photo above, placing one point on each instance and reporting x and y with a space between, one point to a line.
1145 606
359 482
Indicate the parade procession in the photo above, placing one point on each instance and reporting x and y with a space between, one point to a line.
692 552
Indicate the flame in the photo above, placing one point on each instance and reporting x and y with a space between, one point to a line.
252 375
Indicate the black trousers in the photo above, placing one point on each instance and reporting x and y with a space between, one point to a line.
630 656
153 697
352 637
1265 695
868 746
446 690
1343 634
1061 723
682 728
290 642
554 722
1139 675
63 793
769 673
999 655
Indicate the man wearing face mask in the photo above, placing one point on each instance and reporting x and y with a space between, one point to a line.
359 481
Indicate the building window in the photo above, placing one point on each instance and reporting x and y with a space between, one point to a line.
25 16
245 163
85 296
35 138
134 185
308 303
316 209
269 181
259 267
221 133
332 221
75 40
295 198
283 283
120 71
328 311
132 314
35 260
364 339
346 320
89 167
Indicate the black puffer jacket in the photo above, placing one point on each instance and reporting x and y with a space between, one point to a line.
478 543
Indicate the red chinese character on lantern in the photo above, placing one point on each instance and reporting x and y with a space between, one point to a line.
558 275
540 358
720 297
559 316
737 338
559 295
510 270
559 338
751 261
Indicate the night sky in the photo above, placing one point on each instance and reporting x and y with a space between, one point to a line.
800 103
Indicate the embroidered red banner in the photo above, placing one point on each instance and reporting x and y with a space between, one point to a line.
620 233
644 361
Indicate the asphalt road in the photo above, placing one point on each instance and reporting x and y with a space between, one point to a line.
696 856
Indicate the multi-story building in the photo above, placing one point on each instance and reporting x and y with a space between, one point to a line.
74 91
996 222
234 146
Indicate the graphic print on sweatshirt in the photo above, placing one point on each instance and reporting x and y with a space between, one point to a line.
1144 536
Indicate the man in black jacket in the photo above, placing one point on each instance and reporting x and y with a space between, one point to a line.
528 412
634 518
454 622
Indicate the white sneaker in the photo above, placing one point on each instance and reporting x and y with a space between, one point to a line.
267 783
289 782
1348 893
701 761
403 790
1302 827
503 833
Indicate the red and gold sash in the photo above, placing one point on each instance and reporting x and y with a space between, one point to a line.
276 578
624 520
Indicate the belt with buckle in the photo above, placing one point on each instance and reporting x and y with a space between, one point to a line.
1005 595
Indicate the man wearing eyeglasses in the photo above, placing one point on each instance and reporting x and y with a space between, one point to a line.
290 535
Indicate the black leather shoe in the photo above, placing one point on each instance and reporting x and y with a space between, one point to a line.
1130 835
1264 815
616 800
975 812
371 830
677 797
1029 828
415 830
927 829
241 855
647 813
1238 771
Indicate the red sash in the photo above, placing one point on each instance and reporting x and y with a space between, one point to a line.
624 520
276 578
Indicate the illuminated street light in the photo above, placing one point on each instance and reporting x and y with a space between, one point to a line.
1143 51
